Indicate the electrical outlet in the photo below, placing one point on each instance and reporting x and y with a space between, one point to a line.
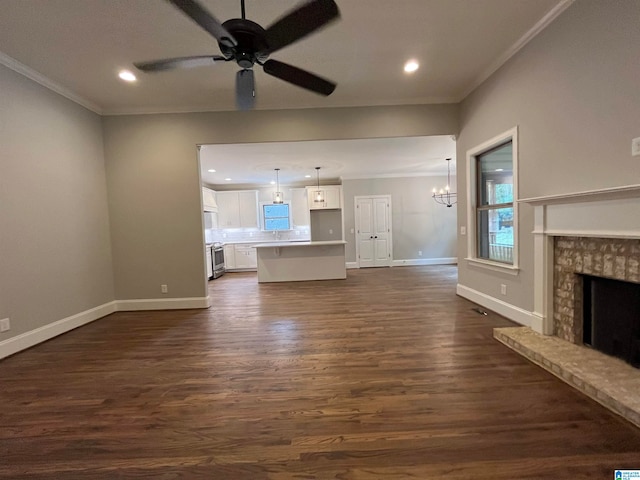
635 147
503 289
5 325
164 288
419 253
463 230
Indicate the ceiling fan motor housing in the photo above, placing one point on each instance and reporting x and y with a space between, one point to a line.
251 42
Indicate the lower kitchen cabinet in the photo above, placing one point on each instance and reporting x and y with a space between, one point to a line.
240 257
246 257
229 257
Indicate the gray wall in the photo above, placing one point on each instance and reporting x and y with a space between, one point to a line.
573 91
418 223
55 254
154 182
326 225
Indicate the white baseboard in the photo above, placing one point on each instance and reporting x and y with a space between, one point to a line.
163 304
352 265
517 314
46 332
425 261
29 339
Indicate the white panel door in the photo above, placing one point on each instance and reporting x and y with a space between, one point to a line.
381 232
373 231
364 224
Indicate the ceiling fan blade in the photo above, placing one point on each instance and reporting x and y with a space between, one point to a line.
202 17
299 77
300 23
178 62
245 90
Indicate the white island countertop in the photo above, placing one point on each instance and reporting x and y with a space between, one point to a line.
293 243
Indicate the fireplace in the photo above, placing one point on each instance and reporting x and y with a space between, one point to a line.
590 269
589 234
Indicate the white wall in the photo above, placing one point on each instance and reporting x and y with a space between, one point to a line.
573 93
55 253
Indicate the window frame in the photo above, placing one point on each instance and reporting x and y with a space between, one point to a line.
473 209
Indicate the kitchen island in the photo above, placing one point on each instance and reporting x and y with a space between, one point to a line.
301 261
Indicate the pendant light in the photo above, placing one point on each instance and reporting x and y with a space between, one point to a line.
319 194
445 196
277 195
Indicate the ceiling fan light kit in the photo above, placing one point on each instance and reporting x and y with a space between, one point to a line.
247 43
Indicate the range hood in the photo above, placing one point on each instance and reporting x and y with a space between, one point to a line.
209 203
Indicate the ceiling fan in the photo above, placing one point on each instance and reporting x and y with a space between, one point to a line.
247 43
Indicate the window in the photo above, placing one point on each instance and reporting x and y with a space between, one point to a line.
492 187
276 216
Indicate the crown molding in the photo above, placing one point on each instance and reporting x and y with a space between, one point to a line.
516 47
37 77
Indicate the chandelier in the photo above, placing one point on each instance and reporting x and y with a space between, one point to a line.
445 196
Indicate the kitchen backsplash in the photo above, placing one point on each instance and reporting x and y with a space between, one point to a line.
238 235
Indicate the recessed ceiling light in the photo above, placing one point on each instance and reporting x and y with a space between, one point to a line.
211 170
272 182
499 169
127 76
307 176
411 66
227 179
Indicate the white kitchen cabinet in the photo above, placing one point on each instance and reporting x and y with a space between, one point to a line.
248 205
238 209
332 197
240 257
229 257
246 257
299 207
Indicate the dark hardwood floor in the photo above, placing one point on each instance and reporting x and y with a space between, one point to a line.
385 375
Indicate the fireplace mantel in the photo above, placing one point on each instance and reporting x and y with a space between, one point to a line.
612 193
606 213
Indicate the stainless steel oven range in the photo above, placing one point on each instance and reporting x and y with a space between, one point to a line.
217 255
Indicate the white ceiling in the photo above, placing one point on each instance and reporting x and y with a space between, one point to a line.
78 46
253 164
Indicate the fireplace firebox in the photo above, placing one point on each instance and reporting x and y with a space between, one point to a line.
611 317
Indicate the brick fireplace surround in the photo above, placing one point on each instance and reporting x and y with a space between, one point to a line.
614 258
592 233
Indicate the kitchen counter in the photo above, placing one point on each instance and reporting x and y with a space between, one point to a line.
301 243
301 261
255 242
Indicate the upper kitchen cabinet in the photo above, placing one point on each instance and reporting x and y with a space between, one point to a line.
299 207
332 197
238 209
